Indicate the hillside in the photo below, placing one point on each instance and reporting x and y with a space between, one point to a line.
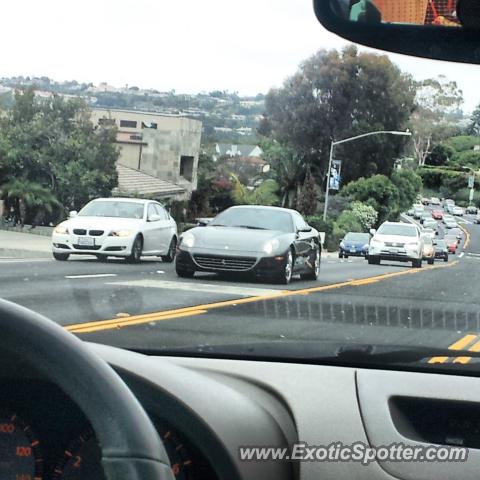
226 116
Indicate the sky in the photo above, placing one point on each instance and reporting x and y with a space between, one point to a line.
186 45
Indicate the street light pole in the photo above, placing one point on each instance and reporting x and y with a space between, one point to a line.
345 140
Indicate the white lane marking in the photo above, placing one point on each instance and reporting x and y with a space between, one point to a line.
198 287
474 254
463 220
97 275
461 255
160 271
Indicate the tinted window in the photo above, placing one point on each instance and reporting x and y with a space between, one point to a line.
262 218
300 223
128 124
357 237
161 211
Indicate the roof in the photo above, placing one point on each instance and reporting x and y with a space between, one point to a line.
136 181
240 150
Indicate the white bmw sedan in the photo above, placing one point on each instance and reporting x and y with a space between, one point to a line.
117 227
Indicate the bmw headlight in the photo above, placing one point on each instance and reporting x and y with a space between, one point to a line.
121 233
271 246
188 239
374 242
61 229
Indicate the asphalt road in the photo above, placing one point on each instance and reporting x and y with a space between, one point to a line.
145 306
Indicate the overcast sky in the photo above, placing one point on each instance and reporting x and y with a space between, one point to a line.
187 45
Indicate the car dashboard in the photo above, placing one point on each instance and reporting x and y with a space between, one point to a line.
206 409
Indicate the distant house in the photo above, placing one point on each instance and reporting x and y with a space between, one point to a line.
227 150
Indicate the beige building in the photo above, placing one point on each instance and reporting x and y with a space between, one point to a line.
161 146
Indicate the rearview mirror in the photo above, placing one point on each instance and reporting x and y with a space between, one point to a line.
203 222
372 232
72 214
305 230
424 28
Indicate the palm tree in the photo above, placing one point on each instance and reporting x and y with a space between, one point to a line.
288 168
27 194
263 194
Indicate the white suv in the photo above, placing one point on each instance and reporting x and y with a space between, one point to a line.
400 242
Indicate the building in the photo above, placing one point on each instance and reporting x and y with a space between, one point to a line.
163 147
227 150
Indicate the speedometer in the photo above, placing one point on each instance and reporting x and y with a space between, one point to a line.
81 460
20 457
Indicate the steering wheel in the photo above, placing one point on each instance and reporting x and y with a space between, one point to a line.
131 447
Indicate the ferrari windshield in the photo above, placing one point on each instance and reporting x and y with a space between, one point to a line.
259 218
112 209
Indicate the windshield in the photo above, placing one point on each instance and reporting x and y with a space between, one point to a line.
245 180
357 237
112 209
255 218
402 230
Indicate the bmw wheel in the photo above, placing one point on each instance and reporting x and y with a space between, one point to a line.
137 249
315 270
170 256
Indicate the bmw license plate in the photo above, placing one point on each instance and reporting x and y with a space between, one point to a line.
86 241
393 250
353 250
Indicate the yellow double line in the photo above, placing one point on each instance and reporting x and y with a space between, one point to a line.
117 323
470 341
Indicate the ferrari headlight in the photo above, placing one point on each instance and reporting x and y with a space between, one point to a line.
270 246
61 229
121 233
188 239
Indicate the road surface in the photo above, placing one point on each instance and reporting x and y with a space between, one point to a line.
146 306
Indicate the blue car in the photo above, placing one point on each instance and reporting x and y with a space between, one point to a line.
354 244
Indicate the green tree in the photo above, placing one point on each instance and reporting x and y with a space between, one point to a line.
438 104
409 185
264 194
25 194
379 192
287 168
54 143
474 125
366 215
307 197
440 155
335 95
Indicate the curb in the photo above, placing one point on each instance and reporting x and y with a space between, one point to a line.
41 231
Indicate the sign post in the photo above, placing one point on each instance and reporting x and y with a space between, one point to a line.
471 186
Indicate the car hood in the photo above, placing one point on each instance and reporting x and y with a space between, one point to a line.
233 238
394 238
103 223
